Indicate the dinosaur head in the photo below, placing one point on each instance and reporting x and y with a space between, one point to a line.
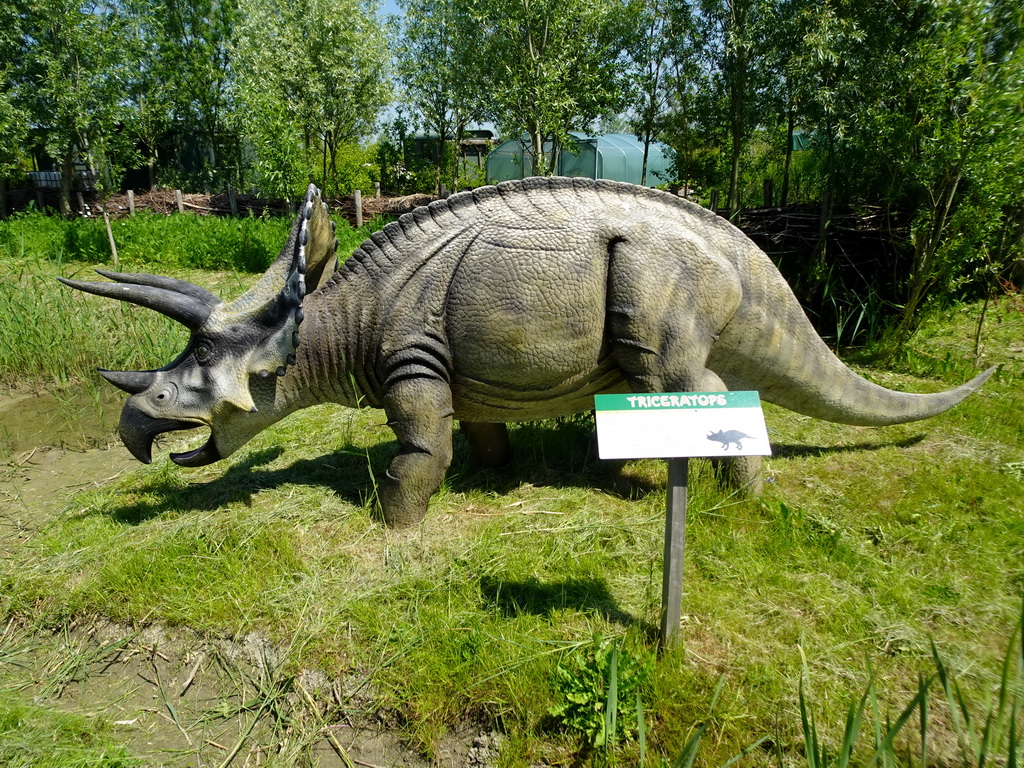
236 351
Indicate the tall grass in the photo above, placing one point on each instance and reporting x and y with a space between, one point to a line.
51 333
246 244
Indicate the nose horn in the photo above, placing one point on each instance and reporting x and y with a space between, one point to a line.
131 382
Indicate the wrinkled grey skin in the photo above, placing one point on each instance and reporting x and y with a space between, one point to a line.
508 303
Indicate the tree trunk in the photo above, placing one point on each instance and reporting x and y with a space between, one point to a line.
643 167
736 110
67 176
790 126
537 147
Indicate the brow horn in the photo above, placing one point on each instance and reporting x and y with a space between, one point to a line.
186 309
202 295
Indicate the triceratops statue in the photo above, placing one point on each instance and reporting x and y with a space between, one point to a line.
513 302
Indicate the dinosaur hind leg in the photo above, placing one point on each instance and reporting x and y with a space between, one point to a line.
665 305
489 446
740 473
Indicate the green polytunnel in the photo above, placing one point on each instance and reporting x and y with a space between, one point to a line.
615 156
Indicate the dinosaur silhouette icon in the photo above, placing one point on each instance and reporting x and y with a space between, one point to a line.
732 437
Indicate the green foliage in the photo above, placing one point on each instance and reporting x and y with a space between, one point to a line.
957 143
75 65
553 67
246 244
181 94
600 687
403 168
354 167
985 734
994 733
311 81
13 125
817 750
438 60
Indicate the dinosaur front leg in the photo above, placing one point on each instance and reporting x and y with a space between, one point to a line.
420 414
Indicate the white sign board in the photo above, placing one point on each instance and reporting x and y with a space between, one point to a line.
680 424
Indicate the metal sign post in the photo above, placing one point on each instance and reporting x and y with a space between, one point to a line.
676 426
675 548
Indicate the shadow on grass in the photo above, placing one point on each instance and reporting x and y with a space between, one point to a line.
792 451
343 472
559 456
515 597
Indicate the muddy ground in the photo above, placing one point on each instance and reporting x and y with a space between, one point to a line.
175 697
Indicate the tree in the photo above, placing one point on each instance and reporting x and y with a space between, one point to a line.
75 66
186 84
438 71
919 104
13 126
551 66
730 37
310 79
952 134
152 91
659 49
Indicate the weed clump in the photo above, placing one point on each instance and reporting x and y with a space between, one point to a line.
599 686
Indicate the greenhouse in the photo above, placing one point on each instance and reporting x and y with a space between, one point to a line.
615 156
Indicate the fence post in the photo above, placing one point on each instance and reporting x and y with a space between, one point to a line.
376 189
131 202
358 194
233 200
179 201
714 200
110 235
81 202
769 192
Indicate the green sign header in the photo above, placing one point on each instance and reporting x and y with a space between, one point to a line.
676 400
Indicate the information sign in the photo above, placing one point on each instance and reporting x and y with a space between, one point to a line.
681 424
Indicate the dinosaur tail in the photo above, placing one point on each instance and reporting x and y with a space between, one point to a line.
771 346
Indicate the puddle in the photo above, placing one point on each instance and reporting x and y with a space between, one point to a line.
76 420
50 447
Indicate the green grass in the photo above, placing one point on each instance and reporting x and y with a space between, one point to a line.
868 546
40 737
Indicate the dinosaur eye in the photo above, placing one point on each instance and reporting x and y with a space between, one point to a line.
202 352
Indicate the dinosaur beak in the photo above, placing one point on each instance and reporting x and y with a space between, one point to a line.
138 430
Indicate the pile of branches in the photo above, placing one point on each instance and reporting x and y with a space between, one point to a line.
853 260
165 202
